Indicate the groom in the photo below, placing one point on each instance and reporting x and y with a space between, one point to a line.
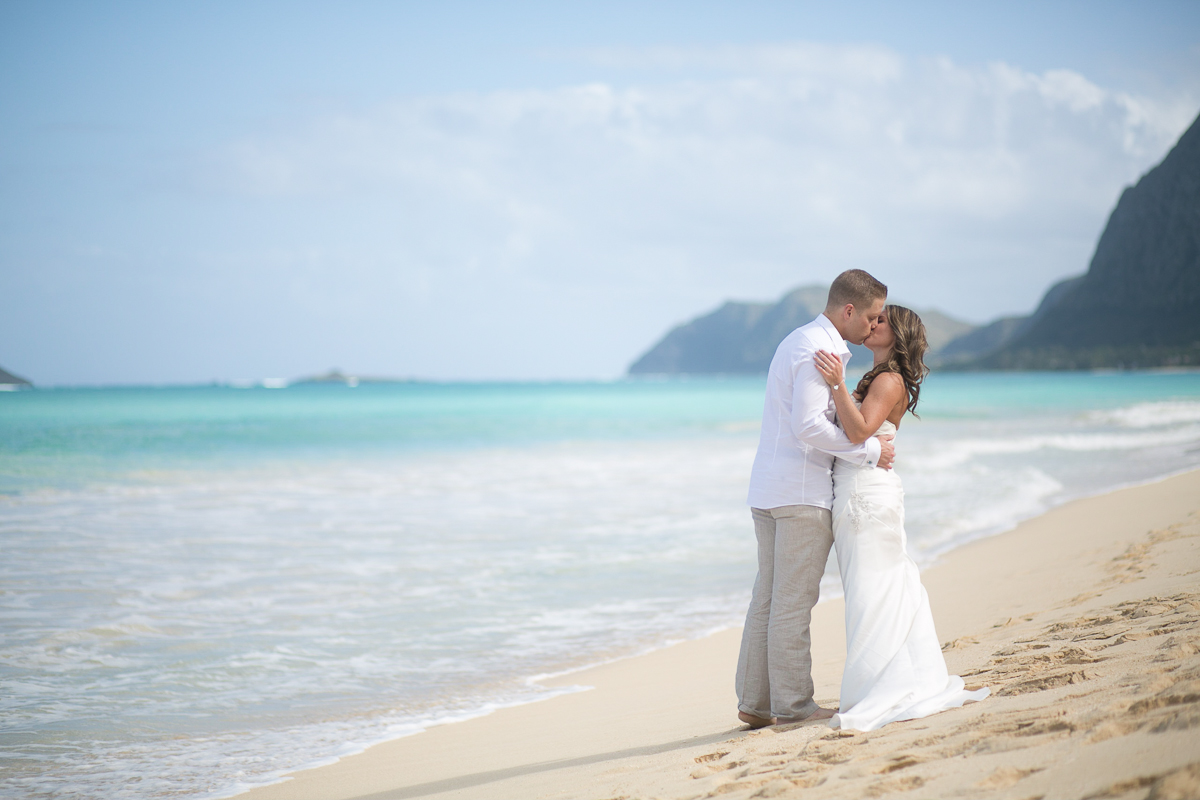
791 493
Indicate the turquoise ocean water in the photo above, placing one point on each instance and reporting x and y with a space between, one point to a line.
202 588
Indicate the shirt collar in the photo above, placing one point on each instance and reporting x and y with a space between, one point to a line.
839 344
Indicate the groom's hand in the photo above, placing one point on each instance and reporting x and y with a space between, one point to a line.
887 452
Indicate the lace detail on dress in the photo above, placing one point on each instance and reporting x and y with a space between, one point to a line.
857 509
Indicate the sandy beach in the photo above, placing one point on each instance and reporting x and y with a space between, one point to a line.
1085 622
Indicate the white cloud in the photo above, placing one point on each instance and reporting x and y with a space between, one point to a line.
729 171
1071 89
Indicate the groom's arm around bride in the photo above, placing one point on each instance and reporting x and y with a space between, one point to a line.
791 494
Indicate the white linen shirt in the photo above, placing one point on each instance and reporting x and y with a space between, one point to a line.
799 438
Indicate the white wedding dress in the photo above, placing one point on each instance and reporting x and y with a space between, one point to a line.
894 665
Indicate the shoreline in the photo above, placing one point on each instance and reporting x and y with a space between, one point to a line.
539 749
988 533
538 680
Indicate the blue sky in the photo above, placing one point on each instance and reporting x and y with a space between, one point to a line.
533 190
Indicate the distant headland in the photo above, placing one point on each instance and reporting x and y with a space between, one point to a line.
9 382
1135 307
740 338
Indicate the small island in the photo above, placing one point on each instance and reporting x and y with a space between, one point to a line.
336 376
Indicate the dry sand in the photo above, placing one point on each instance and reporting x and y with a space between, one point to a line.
1085 622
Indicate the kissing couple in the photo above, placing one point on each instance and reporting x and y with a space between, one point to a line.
823 478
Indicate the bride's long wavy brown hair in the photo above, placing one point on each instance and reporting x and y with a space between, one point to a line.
907 358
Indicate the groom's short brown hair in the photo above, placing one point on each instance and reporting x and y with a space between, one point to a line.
857 287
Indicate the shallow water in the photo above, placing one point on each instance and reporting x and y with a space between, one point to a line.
204 587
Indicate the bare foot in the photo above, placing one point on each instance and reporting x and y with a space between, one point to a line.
755 721
819 714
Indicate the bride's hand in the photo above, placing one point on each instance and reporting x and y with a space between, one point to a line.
830 367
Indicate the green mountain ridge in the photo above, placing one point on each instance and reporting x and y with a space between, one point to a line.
741 337
1135 307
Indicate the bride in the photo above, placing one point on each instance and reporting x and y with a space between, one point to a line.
894 666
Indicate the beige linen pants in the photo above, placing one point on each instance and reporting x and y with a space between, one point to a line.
774 672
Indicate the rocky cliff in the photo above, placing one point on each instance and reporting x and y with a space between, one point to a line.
1137 304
